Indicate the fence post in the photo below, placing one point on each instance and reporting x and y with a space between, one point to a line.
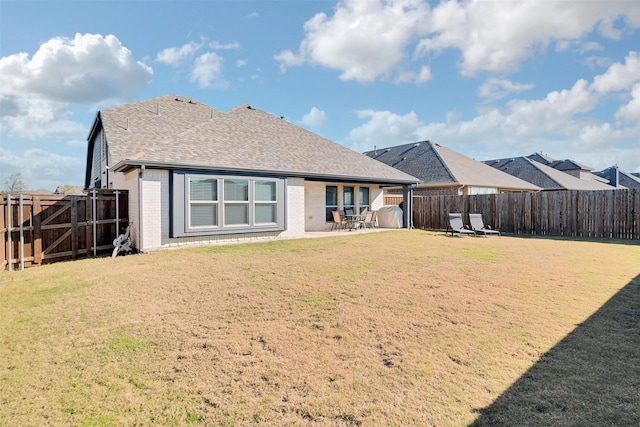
9 223
117 213
21 220
94 220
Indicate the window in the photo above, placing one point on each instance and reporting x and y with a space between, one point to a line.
348 200
214 204
331 201
265 202
203 202
363 198
236 202
482 190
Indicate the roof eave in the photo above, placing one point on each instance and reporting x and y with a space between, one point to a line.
127 165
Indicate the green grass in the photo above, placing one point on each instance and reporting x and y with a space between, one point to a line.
390 329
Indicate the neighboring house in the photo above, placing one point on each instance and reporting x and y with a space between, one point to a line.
544 176
446 172
196 175
618 178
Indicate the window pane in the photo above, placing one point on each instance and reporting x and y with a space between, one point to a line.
332 195
204 215
265 213
236 190
265 191
348 197
331 202
363 196
203 189
236 214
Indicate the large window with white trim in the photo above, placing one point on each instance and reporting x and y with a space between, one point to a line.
213 204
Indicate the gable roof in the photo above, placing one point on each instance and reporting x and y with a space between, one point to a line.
544 176
176 132
436 165
541 158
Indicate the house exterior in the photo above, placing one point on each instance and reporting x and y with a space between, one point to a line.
446 172
545 177
196 175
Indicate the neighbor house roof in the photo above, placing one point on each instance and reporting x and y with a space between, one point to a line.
180 132
567 165
625 179
544 176
438 166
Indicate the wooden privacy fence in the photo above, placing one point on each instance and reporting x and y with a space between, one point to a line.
40 229
602 213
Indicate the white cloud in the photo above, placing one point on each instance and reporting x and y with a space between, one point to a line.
370 39
41 169
422 76
241 63
364 39
314 119
495 88
590 47
88 69
35 118
207 71
288 59
224 46
385 129
174 56
497 36
630 112
619 76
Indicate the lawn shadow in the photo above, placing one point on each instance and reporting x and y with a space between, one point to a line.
590 378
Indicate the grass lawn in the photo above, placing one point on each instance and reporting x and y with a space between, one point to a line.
394 328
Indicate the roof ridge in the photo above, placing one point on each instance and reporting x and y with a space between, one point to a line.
444 164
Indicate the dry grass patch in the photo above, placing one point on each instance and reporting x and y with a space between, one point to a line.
393 328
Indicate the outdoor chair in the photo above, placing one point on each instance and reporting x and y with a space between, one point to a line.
456 225
368 220
338 221
477 225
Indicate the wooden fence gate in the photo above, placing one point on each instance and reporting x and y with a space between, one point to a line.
40 229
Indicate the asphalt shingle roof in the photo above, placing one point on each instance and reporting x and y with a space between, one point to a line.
177 131
438 165
544 176
625 179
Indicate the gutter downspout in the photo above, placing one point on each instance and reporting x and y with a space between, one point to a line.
140 227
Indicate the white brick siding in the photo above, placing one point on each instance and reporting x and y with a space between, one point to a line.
129 181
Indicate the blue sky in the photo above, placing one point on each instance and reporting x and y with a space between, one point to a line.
489 79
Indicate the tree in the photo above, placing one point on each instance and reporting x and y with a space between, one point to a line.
14 183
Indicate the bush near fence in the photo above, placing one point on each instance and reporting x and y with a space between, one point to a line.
40 229
598 214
